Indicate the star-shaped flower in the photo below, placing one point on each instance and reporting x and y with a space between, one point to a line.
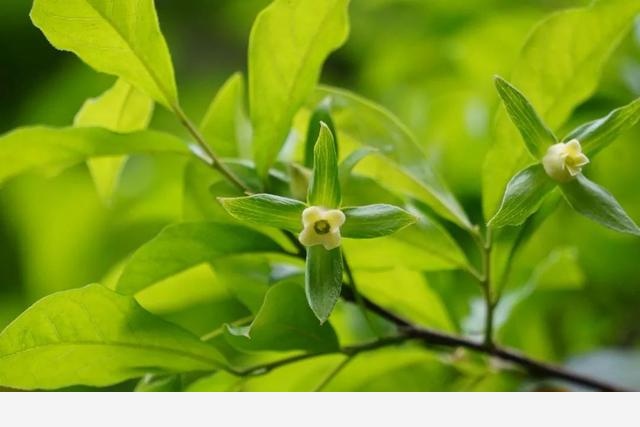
564 160
559 164
321 227
324 222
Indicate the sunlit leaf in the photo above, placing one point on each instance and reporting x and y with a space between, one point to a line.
181 246
266 209
401 165
364 222
26 149
225 125
124 109
103 338
289 42
324 189
114 37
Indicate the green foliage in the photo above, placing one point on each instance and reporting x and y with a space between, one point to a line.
323 280
365 222
275 329
537 137
122 39
124 109
301 237
596 203
523 197
266 209
596 135
324 189
196 243
225 125
27 149
562 86
289 42
102 337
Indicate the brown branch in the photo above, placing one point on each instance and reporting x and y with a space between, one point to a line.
533 367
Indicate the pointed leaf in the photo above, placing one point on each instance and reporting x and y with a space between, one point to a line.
401 165
226 126
289 42
596 203
325 185
94 336
181 246
123 109
536 135
596 135
322 114
277 329
266 209
365 222
25 149
524 195
122 38
323 280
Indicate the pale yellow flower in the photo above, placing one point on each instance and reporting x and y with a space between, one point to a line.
564 161
321 227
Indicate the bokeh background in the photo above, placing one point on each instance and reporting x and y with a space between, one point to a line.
429 61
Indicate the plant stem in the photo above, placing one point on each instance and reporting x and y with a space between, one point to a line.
533 367
357 295
215 163
409 331
339 367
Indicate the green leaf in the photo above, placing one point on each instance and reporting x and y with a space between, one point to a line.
350 162
424 246
181 246
284 323
323 280
26 149
584 39
289 42
159 383
597 134
266 209
401 165
365 222
122 38
523 197
536 135
226 126
123 109
322 114
94 336
596 203
324 189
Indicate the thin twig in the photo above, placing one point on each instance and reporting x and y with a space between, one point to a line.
216 163
441 339
334 372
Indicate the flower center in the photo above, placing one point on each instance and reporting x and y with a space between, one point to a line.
322 226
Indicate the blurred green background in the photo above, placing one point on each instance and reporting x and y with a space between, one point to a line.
429 61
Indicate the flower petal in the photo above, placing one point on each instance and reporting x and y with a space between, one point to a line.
311 214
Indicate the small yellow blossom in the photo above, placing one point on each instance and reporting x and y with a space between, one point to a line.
321 227
564 161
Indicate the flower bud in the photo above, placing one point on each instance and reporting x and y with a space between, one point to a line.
563 161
